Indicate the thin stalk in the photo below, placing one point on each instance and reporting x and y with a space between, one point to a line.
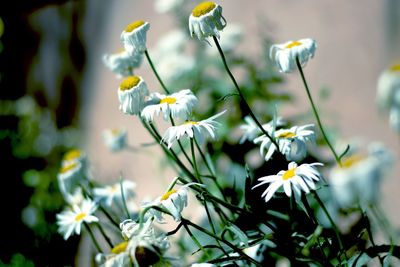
180 143
195 239
334 226
316 112
123 198
195 169
155 71
108 240
241 94
93 238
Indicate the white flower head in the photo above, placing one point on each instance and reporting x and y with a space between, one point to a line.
123 63
292 142
296 178
388 88
394 117
251 129
144 243
118 257
112 195
134 37
284 55
115 139
69 178
71 220
358 178
192 129
131 94
163 6
206 20
178 105
72 156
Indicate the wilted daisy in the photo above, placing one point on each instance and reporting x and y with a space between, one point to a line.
251 129
296 178
206 20
388 88
123 63
358 178
284 55
69 178
192 129
134 37
118 256
112 195
292 142
131 94
73 155
71 220
178 105
115 139
144 243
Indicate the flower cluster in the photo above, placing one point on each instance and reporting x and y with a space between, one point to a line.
220 211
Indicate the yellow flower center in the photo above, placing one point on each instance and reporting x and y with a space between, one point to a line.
289 174
286 135
352 160
129 83
68 167
191 122
80 216
119 248
168 194
168 100
293 44
395 68
203 8
72 154
134 25
115 132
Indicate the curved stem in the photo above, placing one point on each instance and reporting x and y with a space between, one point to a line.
180 143
93 238
195 169
241 94
123 198
316 112
108 240
155 71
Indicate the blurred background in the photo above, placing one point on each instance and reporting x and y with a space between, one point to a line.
56 94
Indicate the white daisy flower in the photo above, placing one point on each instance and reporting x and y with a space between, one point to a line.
69 178
115 139
179 105
122 63
144 243
292 142
206 20
296 178
388 87
72 156
394 117
134 37
163 6
131 94
192 129
118 257
111 195
71 220
358 178
251 129
284 55
76 198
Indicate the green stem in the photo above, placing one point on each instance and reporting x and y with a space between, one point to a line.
180 143
195 169
316 112
241 94
108 240
155 71
123 198
195 239
335 228
92 237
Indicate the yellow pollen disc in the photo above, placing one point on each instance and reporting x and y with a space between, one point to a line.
72 154
286 135
289 174
203 8
68 168
119 248
129 83
115 131
395 68
191 122
168 100
80 216
293 44
134 25
350 161
168 194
